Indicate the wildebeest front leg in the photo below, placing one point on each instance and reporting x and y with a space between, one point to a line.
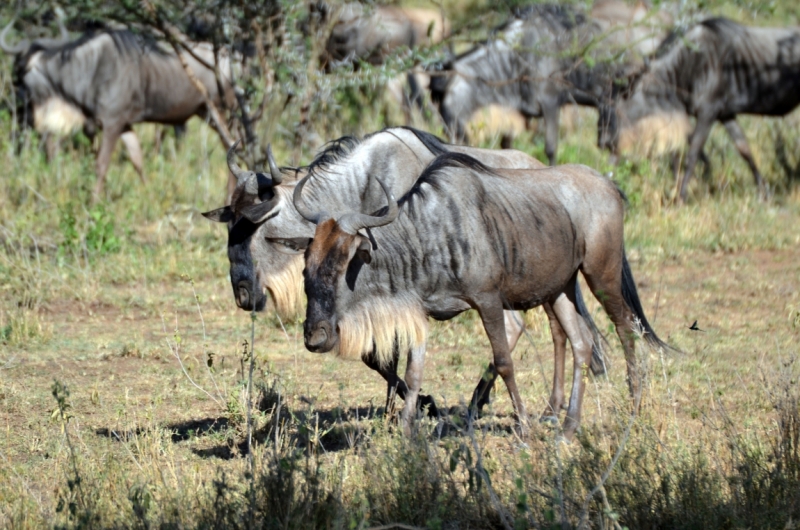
111 134
491 312
414 369
395 386
740 141
696 142
579 337
514 328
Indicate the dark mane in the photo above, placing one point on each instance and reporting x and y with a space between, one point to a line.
125 42
723 26
432 173
332 152
433 143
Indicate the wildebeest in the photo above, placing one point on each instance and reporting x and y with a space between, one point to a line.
372 36
52 119
113 79
543 58
469 237
715 71
267 236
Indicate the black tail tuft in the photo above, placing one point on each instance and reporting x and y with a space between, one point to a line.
631 297
599 364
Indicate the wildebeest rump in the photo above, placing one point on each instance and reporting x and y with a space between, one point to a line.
115 79
267 236
545 57
470 237
715 71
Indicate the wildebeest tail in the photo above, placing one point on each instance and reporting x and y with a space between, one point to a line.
599 364
631 297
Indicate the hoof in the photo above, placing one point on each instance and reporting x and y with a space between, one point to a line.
551 421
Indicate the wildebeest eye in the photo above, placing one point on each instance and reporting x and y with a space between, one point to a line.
293 244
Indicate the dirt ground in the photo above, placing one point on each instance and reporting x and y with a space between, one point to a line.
117 357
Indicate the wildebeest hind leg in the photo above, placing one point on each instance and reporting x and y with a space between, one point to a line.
556 402
580 338
490 308
605 281
131 142
740 141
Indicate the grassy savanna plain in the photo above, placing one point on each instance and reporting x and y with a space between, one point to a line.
124 364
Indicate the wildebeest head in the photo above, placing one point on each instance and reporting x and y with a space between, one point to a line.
260 262
333 261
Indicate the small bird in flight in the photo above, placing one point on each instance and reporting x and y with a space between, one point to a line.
694 327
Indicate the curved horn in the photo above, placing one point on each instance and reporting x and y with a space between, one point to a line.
277 177
353 222
240 174
307 214
61 27
21 45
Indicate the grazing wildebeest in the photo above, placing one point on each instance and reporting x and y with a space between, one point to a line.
469 237
536 63
267 236
114 79
715 71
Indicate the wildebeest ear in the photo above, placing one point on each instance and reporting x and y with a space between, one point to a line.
364 252
258 213
220 215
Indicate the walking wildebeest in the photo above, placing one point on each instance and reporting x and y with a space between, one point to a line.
267 236
715 71
545 57
469 237
54 119
114 79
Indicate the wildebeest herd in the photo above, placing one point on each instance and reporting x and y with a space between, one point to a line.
386 231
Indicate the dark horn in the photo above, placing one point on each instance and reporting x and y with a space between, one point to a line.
307 214
238 172
353 222
21 45
277 177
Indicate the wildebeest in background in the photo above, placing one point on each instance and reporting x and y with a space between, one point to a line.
114 79
715 71
267 236
543 58
51 119
371 35
470 237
